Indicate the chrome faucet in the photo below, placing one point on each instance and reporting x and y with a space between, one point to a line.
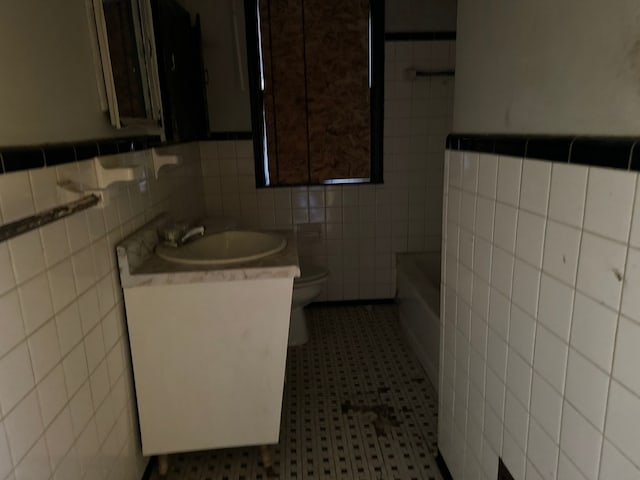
192 232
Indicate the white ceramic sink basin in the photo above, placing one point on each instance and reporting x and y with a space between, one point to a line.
225 248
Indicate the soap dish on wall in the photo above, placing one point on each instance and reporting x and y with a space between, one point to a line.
97 175
161 160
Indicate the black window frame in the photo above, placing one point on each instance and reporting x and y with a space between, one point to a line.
376 12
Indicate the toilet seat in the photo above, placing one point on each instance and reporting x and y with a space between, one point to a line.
309 274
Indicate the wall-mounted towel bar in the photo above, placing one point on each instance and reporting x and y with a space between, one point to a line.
412 73
26 224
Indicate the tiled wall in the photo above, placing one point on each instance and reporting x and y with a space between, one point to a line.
355 230
540 319
67 409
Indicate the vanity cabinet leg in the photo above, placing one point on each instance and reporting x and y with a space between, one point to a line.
163 465
265 454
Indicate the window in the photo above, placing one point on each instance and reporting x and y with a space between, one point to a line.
316 73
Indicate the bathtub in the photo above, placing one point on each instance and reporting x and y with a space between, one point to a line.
418 298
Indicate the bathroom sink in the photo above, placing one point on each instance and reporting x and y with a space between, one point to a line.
225 248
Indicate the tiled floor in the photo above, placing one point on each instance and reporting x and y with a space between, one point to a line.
357 405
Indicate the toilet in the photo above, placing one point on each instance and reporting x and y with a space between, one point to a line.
305 289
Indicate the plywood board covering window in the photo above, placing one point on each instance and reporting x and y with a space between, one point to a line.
316 90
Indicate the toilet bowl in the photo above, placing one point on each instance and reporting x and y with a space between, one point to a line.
305 289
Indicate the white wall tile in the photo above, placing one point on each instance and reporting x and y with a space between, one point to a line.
536 181
601 269
546 406
492 431
550 357
581 442
575 265
509 173
16 200
627 356
615 465
502 270
587 388
55 242
75 368
41 261
465 246
7 278
487 175
11 324
630 299
530 238
610 195
513 457
69 328
467 211
561 250
16 377
485 210
531 473
568 193
526 286
504 231
634 239
482 258
593 331
623 421
35 465
23 426
36 302
470 171
99 382
494 391
5 456
499 312
522 333
519 379
26 252
62 283
542 451
556 304
81 408
52 394
568 470
478 337
59 438
44 349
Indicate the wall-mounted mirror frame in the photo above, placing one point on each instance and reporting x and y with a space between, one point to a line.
135 59
257 91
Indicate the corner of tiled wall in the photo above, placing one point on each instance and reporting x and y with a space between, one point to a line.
67 406
540 325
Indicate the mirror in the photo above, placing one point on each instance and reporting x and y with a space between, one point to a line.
126 48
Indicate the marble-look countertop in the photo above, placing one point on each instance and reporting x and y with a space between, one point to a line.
140 266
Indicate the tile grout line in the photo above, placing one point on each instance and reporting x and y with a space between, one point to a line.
573 304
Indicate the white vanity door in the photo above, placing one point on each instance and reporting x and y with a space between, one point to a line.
209 362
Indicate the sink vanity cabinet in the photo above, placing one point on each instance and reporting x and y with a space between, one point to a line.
208 346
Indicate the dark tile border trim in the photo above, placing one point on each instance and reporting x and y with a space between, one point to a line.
352 303
442 466
621 153
419 36
230 136
14 159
